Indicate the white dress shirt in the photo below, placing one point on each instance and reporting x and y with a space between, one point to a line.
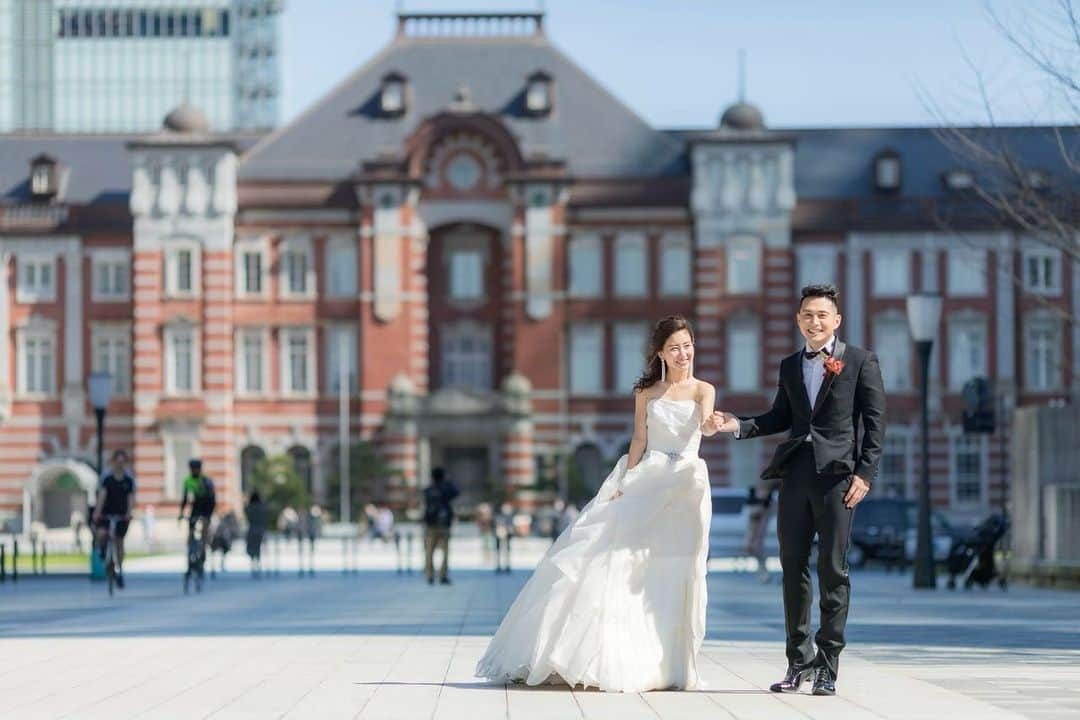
813 372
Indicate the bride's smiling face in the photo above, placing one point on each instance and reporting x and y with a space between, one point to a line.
678 350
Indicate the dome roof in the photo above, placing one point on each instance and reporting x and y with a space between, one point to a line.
742 116
186 119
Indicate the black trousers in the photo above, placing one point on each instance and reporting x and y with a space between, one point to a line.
813 504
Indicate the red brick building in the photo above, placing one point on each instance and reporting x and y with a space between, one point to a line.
489 234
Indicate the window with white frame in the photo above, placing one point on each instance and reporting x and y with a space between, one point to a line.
341 267
252 262
892 343
1042 271
585 267
967 271
816 266
296 272
744 265
895 464
892 272
179 450
586 359
110 348
744 354
967 350
967 469
182 276
252 371
1043 357
36 278
37 360
182 359
466 274
631 274
675 265
744 463
335 336
297 361
111 276
629 354
466 357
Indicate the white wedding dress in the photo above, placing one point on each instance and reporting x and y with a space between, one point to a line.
618 602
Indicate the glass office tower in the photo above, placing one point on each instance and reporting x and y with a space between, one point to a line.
121 65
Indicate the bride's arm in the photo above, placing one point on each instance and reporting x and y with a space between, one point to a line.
708 402
637 442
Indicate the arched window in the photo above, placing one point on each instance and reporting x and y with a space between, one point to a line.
249 459
301 459
590 466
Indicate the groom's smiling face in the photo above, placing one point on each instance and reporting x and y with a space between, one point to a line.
818 320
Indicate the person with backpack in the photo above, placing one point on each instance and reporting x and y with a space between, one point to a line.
438 516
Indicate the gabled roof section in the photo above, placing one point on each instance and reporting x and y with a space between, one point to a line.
589 128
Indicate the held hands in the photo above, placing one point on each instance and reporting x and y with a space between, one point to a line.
723 421
856 491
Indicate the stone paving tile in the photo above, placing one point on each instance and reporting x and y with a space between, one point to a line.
377 644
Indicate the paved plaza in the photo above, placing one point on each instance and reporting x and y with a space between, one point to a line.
376 644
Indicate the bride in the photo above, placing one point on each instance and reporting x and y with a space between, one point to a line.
618 602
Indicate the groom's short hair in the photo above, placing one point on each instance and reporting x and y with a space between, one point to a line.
821 290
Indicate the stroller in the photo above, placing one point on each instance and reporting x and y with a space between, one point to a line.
973 557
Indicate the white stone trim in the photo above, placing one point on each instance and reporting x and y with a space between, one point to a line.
242 246
170 332
284 334
171 249
40 258
109 256
300 243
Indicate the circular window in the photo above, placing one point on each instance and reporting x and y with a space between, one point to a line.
463 172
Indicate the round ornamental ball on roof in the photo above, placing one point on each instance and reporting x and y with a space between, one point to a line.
186 119
742 116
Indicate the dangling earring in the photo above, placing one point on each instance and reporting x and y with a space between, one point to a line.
663 370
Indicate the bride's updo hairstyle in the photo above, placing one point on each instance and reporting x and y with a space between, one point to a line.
660 334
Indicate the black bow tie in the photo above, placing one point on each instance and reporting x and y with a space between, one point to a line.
811 355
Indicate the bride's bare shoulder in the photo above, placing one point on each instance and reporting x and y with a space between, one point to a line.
703 389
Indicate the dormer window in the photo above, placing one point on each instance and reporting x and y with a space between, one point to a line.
958 180
887 171
392 95
538 94
44 180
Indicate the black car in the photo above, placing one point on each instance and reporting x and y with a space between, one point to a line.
884 530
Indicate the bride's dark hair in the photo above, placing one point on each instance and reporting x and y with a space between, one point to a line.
660 334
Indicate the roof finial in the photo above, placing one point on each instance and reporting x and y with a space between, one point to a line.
741 79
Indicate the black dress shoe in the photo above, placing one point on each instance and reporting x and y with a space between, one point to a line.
824 682
793 680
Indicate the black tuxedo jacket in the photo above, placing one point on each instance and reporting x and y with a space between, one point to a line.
858 392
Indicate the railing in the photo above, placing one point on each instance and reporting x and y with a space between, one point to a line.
470 24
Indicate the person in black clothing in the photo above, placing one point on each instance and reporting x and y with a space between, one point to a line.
438 516
116 496
824 391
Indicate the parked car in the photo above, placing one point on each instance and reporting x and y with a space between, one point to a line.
885 529
730 517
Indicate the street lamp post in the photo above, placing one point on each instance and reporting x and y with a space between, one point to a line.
99 387
924 316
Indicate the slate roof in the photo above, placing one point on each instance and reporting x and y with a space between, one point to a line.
588 127
99 166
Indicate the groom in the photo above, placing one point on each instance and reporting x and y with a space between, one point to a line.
824 390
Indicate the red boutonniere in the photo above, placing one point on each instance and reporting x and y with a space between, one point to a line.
833 366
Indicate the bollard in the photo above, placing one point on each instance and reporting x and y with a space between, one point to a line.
3 563
15 561
44 556
33 557
277 555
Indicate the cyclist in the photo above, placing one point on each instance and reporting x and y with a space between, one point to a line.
116 496
203 500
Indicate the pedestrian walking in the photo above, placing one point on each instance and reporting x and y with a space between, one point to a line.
438 517
256 514
503 531
761 506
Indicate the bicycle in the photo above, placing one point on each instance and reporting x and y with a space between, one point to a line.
110 551
196 558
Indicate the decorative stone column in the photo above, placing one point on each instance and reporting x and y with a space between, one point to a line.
517 463
398 443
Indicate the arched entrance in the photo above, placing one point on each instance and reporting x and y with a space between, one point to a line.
58 487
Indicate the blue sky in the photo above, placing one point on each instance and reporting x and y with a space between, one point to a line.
810 63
